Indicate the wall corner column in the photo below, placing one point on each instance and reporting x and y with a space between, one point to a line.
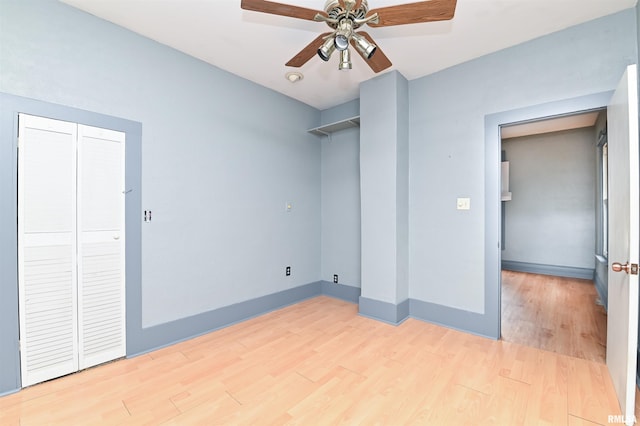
384 187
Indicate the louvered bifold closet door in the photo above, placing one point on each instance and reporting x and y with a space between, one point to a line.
47 248
101 285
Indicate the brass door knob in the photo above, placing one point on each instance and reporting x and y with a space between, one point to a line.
619 267
629 268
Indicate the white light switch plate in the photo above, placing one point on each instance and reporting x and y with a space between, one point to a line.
464 203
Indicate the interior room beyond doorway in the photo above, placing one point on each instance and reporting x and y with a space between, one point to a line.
553 219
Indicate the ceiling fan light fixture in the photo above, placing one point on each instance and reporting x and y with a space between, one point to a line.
364 46
327 48
343 34
345 60
341 42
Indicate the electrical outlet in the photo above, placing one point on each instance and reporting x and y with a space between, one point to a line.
335 278
288 271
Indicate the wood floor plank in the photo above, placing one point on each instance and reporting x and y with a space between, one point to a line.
555 314
589 391
577 421
210 411
507 404
548 404
319 362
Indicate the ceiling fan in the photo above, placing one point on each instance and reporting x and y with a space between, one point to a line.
344 17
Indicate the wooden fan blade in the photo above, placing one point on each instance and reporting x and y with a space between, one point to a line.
308 52
378 61
414 13
280 9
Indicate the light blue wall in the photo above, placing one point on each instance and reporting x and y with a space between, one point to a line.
447 113
341 206
340 112
217 171
340 188
221 157
402 189
550 219
383 187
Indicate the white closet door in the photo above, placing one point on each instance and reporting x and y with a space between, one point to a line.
101 285
47 248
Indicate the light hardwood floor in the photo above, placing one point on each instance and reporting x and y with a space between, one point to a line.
319 363
555 314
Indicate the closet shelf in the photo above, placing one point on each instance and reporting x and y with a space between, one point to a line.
327 129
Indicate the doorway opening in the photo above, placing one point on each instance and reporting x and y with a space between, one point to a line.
622 300
553 227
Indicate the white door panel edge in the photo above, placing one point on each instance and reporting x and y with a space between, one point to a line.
622 317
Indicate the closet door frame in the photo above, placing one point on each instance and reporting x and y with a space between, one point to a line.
138 340
71 237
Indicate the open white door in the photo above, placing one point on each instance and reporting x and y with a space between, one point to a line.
622 320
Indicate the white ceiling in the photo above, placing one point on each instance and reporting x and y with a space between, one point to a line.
556 124
256 46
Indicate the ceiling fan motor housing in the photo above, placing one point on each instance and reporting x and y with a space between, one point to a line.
337 12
